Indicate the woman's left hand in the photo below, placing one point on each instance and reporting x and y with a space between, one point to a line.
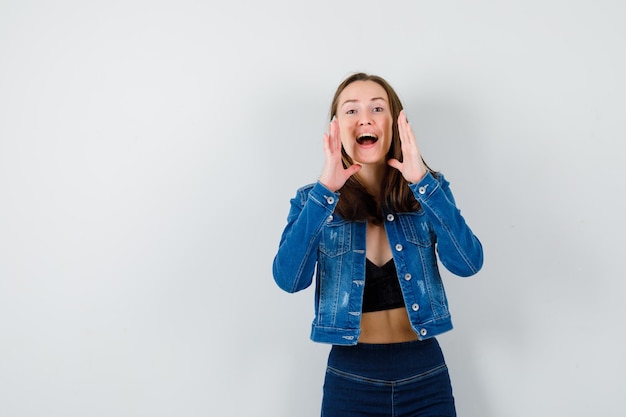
412 166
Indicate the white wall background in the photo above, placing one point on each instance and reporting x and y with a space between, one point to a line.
148 151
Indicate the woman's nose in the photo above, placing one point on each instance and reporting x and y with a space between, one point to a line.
365 120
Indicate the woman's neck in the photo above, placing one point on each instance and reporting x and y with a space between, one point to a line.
370 177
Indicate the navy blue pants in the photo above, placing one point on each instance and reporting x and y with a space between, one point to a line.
388 380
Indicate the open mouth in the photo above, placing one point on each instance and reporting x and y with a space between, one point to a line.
366 139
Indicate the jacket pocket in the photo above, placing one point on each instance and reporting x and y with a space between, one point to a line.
336 238
417 229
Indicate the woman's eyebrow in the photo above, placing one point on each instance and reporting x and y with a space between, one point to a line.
355 100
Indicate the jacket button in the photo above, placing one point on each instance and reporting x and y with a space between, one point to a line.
416 307
398 247
407 277
423 332
329 219
390 217
421 190
330 200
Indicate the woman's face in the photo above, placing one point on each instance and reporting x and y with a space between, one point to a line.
365 122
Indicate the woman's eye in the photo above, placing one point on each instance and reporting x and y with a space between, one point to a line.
351 111
378 109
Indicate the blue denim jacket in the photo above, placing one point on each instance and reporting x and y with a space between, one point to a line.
316 241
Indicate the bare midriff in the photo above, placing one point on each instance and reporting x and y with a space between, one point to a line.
386 326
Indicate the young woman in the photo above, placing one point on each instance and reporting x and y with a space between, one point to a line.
370 230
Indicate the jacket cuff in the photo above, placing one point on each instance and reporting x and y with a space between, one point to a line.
425 187
324 197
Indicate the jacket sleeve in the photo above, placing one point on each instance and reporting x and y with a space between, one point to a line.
459 250
294 264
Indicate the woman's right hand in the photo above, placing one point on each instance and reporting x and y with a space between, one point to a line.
334 175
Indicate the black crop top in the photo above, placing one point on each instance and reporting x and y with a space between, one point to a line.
382 289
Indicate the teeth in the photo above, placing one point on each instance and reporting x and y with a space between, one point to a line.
366 136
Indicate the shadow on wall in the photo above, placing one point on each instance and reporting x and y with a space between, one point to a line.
451 141
521 316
